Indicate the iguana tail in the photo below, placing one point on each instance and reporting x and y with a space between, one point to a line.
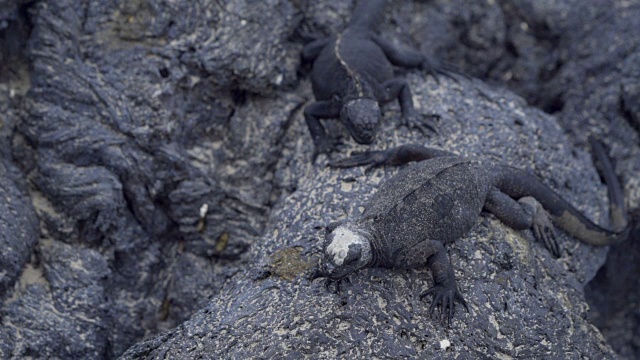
617 210
517 184
368 13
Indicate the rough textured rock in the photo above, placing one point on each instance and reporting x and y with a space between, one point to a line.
142 164
578 60
8 9
507 280
615 300
160 140
18 224
508 42
595 91
73 319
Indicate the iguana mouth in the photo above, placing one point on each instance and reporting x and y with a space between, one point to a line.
363 139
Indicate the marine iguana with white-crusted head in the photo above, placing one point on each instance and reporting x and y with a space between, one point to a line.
437 200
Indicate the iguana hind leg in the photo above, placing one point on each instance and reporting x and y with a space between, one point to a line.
399 88
410 58
526 213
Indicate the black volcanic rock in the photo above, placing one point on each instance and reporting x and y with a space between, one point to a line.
149 165
524 303
155 162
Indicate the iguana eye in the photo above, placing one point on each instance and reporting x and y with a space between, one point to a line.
349 261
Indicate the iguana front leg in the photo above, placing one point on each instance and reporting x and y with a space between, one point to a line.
399 88
311 50
445 289
312 114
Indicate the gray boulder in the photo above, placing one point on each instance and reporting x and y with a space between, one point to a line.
523 303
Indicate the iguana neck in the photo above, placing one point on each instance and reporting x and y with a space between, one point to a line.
377 255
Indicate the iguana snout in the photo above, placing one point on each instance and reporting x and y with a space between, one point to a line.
361 117
347 250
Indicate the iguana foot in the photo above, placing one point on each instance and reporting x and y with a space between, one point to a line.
445 297
418 121
436 69
542 227
338 283
319 273
325 146
309 31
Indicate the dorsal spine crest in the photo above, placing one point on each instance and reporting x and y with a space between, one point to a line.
352 74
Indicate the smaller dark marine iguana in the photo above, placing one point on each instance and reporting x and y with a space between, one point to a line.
438 199
352 75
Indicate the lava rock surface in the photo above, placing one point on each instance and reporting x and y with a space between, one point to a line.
159 194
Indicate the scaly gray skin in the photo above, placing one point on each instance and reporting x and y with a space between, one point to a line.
438 200
352 76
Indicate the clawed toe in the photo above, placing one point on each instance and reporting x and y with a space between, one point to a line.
425 124
547 235
542 226
337 283
452 73
309 32
543 230
461 300
445 298
445 73
319 272
438 69
326 146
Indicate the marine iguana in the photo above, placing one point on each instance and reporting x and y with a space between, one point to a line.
437 200
352 75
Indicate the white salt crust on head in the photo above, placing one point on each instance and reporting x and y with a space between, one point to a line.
339 247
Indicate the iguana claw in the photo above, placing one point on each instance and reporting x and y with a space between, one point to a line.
542 227
445 297
418 121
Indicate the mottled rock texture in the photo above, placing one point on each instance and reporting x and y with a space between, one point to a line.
148 164
523 302
156 170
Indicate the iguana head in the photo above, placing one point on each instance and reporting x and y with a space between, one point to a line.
361 116
347 249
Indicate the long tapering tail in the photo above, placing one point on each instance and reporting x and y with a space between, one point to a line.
517 184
